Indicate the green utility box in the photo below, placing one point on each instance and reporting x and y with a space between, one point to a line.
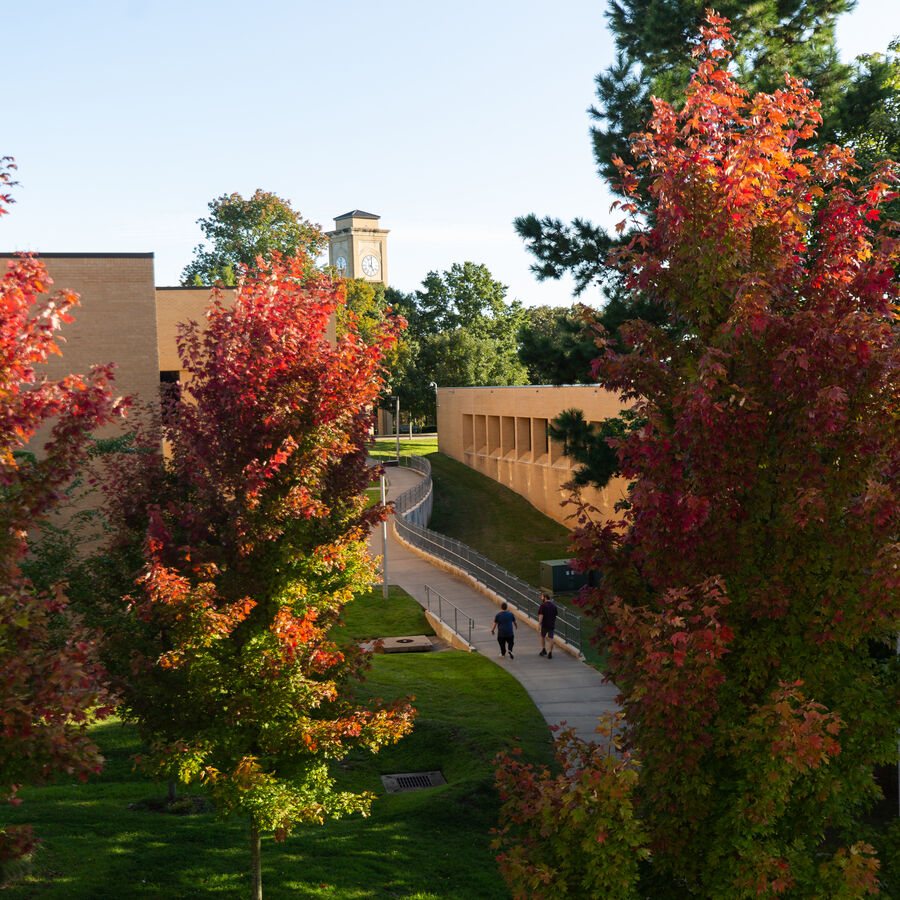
558 576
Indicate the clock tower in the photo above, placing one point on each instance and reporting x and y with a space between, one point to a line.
358 247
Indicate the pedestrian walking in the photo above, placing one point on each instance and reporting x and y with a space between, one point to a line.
547 613
505 625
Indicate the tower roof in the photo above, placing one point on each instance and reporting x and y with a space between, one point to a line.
357 214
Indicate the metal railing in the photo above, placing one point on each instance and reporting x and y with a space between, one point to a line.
448 609
415 504
413 508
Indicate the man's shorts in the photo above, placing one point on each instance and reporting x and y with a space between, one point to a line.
547 632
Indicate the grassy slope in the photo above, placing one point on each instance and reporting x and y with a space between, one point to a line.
427 844
494 520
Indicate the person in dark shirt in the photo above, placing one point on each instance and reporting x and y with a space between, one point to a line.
505 625
547 613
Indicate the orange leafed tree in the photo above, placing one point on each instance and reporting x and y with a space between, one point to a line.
750 597
48 687
253 530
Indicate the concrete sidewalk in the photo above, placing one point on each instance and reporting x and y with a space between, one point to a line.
563 688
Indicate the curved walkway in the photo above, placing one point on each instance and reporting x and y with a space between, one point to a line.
564 688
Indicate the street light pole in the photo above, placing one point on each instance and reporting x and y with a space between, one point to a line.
398 429
384 572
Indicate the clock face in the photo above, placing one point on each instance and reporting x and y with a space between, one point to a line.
341 263
370 265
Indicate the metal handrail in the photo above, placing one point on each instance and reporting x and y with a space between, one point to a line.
413 508
458 614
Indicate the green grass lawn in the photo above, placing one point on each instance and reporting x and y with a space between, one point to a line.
371 616
494 520
418 445
98 842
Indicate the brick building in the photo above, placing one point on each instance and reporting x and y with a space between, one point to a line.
502 433
499 431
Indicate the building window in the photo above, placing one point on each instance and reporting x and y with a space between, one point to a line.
480 434
493 435
468 433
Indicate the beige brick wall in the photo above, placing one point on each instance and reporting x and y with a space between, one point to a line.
502 433
176 305
115 321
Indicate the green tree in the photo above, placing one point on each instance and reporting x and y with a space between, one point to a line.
253 531
756 564
556 345
461 330
239 230
467 296
363 310
592 445
366 310
464 358
404 378
876 87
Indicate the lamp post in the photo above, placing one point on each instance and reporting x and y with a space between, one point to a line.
397 426
384 572
433 384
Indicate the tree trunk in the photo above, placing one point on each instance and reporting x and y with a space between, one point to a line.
173 791
255 862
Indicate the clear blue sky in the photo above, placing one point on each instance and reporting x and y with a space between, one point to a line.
126 117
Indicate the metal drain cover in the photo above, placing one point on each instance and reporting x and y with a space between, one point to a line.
409 643
412 781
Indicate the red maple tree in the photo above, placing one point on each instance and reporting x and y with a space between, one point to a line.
48 686
750 592
253 524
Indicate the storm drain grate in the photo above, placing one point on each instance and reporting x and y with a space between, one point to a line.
412 781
